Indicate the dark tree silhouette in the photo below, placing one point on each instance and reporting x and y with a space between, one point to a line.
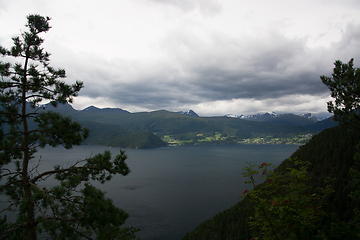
344 86
65 210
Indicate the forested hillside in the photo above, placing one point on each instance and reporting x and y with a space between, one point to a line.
175 128
331 155
116 136
107 134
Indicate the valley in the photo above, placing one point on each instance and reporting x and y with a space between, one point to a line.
119 128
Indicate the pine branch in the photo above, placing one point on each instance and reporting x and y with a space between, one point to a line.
8 174
9 184
40 176
12 229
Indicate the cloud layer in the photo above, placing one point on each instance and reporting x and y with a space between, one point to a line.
210 56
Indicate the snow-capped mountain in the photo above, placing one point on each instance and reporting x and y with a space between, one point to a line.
191 113
309 116
257 117
235 116
262 116
265 117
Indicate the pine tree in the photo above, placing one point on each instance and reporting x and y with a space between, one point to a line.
344 86
73 209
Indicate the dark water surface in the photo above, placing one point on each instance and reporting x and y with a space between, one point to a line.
171 190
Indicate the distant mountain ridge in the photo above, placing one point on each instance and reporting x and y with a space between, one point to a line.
105 133
260 117
256 117
114 127
95 109
190 113
310 116
269 116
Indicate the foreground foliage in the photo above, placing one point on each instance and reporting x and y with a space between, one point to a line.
323 152
284 207
344 86
73 209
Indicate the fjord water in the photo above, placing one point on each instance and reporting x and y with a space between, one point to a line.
171 190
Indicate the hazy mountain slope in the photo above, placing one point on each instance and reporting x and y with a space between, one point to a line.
170 123
104 133
291 119
93 109
331 155
116 136
322 125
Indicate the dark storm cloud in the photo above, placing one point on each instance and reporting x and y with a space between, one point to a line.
219 85
149 93
270 68
208 54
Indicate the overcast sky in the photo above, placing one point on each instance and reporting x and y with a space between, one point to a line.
215 57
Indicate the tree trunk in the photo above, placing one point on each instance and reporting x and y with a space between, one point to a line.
30 212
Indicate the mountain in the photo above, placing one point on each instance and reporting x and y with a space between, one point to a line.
61 108
292 119
235 116
190 113
269 116
183 128
104 133
322 125
93 109
117 127
261 117
331 156
309 116
116 136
